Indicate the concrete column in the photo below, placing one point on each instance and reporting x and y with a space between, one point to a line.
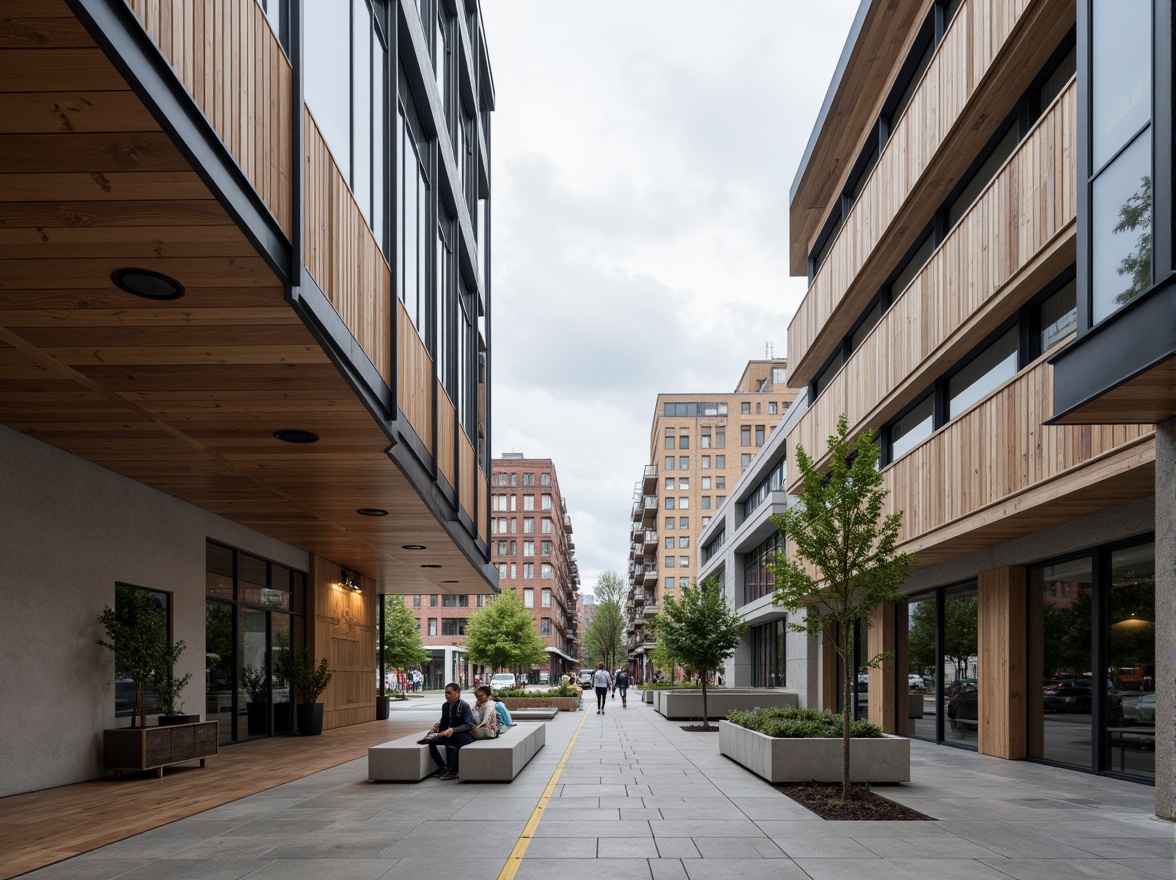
1002 662
1166 619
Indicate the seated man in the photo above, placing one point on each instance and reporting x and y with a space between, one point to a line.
485 715
452 731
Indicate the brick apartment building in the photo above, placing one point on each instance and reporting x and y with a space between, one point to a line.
532 547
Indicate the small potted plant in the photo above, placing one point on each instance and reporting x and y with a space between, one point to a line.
256 687
310 680
169 689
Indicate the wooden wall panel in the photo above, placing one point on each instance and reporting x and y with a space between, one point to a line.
467 470
446 454
414 378
343 257
883 687
343 630
965 57
1002 663
968 287
997 449
232 65
483 518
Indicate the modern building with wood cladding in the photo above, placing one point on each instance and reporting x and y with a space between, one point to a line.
984 214
244 341
699 444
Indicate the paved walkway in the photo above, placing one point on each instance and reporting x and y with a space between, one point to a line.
638 797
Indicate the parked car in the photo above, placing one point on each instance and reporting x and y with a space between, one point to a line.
1140 710
963 709
585 678
914 682
501 680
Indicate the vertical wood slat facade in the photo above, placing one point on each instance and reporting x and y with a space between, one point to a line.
883 692
343 630
466 466
414 377
446 454
482 504
970 464
1002 663
1026 205
972 43
230 61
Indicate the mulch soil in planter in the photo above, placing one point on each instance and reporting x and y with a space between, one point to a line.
698 728
826 802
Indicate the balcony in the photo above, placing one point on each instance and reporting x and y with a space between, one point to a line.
649 479
649 510
651 538
651 608
649 572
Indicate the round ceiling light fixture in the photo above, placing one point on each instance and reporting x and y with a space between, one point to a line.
147 284
413 547
430 565
296 435
450 582
372 511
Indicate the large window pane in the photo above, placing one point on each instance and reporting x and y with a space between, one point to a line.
218 578
218 667
921 714
327 77
983 373
361 106
252 673
1062 600
1131 661
961 688
912 429
1121 74
1058 317
1120 229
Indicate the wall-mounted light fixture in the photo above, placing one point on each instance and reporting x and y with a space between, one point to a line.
349 580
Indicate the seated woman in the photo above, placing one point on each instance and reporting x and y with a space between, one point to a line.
485 715
504 719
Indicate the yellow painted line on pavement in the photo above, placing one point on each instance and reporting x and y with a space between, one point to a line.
516 854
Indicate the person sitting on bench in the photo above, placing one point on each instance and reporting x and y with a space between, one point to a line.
452 732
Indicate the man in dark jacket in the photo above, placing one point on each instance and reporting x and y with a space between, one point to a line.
452 732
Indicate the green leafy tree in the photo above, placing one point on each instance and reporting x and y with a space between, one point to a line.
1136 214
136 631
309 679
844 562
700 630
660 657
401 640
502 635
604 638
960 633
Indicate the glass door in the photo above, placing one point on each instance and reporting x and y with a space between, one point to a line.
218 667
253 673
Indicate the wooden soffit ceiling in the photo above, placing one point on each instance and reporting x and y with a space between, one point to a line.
181 395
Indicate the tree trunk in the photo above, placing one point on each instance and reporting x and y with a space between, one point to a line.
846 709
705 724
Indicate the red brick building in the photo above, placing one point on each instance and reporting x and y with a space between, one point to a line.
531 545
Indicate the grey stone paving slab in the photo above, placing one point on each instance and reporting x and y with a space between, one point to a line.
333 847
561 848
738 848
597 828
773 807
698 828
80 869
1162 868
917 869
1066 869
491 839
318 869
424 869
586 869
816 845
229 848
926 848
725 810
677 848
667 869
741 869
193 869
626 848
639 814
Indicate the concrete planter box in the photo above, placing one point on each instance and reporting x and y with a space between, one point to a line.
677 705
816 760
564 704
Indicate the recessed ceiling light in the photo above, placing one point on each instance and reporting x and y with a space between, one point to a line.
296 435
413 547
430 565
147 284
449 582
371 511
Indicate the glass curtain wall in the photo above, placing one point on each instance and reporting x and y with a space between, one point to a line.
254 620
767 654
1092 661
921 630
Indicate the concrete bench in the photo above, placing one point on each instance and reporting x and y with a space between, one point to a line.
688 704
501 759
536 714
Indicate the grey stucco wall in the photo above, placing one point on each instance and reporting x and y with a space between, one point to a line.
69 530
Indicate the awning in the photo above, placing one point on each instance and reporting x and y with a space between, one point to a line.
551 650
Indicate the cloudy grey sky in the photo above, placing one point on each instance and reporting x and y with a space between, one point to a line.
642 155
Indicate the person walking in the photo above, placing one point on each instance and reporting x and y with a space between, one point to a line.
602 681
622 682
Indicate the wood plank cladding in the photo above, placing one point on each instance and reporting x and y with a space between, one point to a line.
1002 663
231 63
344 631
343 257
467 470
446 425
883 692
483 517
966 92
968 286
993 455
414 377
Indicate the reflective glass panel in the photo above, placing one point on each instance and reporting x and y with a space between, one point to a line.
1058 316
252 674
282 648
218 577
920 720
983 373
911 429
218 667
361 106
327 77
961 687
1120 229
1121 57
1131 662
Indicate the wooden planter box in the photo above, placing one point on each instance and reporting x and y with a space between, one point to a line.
816 760
153 748
564 704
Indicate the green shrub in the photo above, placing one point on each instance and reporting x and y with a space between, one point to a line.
800 723
561 690
666 685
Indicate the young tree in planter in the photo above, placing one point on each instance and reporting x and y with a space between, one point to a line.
502 635
844 562
700 630
136 631
605 635
402 644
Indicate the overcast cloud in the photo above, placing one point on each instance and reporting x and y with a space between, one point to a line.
642 155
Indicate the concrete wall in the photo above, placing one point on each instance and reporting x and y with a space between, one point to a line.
1166 619
69 530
